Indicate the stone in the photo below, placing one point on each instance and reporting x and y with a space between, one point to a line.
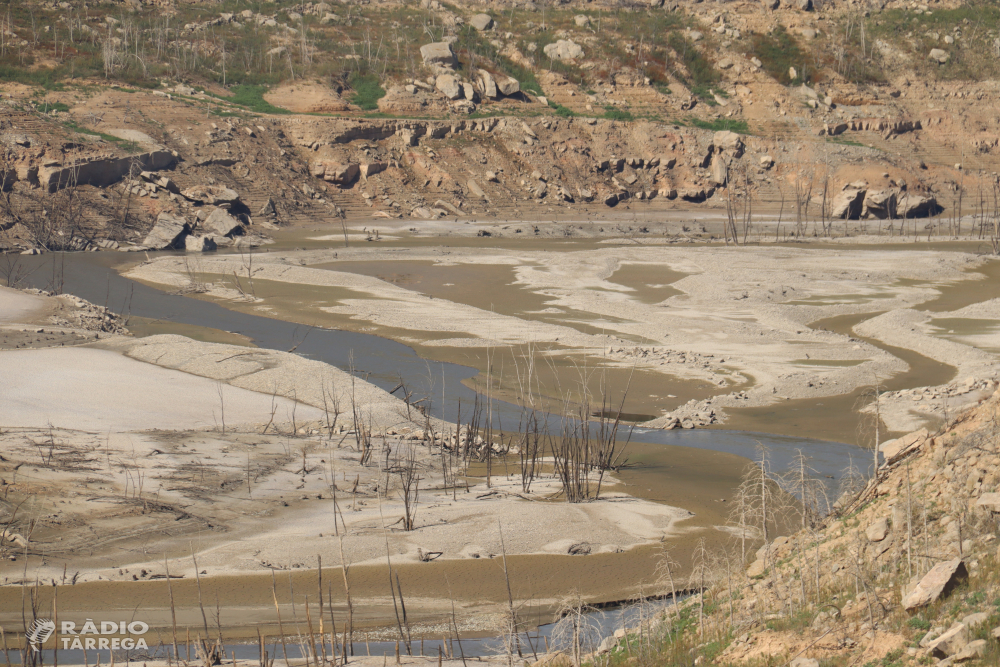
563 50
804 5
881 204
372 168
808 33
508 86
468 92
194 243
220 223
793 73
695 36
168 232
973 621
848 204
341 174
211 194
951 642
725 63
719 171
476 190
581 20
757 568
438 53
910 205
771 4
893 448
766 161
611 199
878 530
488 85
449 86
990 501
481 22
728 141
972 651
937 583
939 56
579 549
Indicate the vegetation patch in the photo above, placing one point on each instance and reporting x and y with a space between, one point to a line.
252 98
367 91
779 53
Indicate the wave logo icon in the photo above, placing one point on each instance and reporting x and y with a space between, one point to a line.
39 632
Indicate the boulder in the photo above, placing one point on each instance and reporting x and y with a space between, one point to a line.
508 86
194 243
771 4
766 161
168 232
719 170
937 583
910 205
580 549
563 50
951 642
973 621
475 189
611 199
481 22
728 141
468 92
878 530
488 85
372 168
449 86
990 501
880 204
438 53
892 448
757 568
341 174
211 194
220 223
581 20
804 5
972 651
848 204
939 56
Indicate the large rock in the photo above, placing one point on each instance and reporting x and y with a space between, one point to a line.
728 141
475 189
373 168
581 20
211 194
848 204
564 50
972 651
449 86
508 86
341 174
878 530
892 448
942 578
220 223
910 205
194 243
481 22
990 501
438 53
719 171
951 642
880 204
488 85
168 232
939 56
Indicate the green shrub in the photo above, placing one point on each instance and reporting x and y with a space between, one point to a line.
918 623
614 113
778 52
561 110
719 124
703 77
367 91
252 97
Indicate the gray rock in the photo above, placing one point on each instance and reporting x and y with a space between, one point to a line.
475 189
194 243
220 223
972 651
848 204
771 4
719 171
508 86
937 583
939 56
564 50
910 205
878 530
341 174
581 20
580 549
804 5
973 621
488 85
990 501
372 168
449 86
728 141
211 194
438 53
880 204
611 199
481 22
951 642
168 232
804 662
